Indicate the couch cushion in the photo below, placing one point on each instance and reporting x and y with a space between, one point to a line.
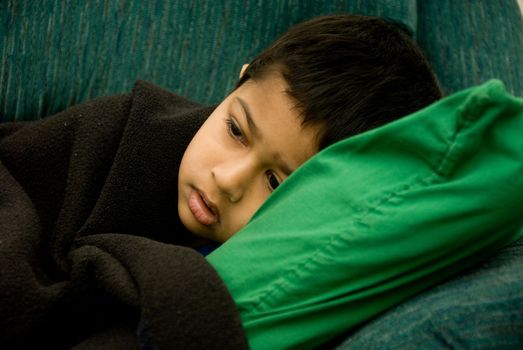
376 218
469 43
482 309
59 53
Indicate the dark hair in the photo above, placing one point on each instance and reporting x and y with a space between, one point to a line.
349 73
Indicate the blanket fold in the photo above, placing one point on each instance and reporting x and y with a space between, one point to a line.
90 240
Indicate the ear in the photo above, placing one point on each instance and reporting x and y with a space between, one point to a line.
244 68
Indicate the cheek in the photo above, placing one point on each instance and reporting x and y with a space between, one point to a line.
200 149
244 211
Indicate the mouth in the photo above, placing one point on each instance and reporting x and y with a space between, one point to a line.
202 208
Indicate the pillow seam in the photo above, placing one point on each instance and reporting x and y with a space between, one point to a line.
436 175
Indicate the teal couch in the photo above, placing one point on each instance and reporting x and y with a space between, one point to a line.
55 54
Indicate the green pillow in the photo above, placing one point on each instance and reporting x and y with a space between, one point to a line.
376 218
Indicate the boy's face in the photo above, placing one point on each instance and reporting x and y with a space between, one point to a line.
245 149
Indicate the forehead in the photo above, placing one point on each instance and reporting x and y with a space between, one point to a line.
281 132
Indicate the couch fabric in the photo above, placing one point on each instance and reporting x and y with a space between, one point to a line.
480 309
54 54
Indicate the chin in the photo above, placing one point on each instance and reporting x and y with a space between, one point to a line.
193 226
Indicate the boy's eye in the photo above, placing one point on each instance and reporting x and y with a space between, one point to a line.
234 130
272 181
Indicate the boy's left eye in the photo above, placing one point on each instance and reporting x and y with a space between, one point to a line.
272 181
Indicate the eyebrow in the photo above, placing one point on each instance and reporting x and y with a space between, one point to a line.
252 125
255 130
284 167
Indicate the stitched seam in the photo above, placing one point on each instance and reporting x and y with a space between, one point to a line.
446 164
311 262
308 264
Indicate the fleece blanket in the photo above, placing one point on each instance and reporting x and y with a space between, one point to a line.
91 245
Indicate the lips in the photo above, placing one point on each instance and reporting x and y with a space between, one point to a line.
202 209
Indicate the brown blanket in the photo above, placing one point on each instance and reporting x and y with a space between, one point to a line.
90 240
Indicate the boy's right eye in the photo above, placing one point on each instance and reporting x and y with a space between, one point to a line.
234 130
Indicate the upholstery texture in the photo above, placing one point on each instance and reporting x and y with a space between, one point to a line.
482 309
471 41
56 53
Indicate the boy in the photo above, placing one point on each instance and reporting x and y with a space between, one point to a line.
121 165
324 80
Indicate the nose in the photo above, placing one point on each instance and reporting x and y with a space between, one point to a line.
232 177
